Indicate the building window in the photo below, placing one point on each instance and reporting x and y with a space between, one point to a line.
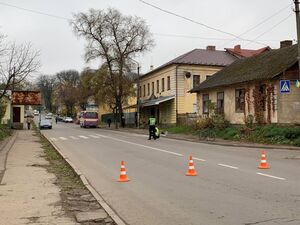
240 100
153 88
220 102
140 91
263 96
163 84
205 103
196 80
208 76
144 88
157 86
148 89
168 83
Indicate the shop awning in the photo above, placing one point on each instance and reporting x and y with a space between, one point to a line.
157 101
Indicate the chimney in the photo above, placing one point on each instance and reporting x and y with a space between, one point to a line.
237 48
286 43
211 47
151 67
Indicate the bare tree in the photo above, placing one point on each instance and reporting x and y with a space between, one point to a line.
115 39
16 63
67 89
46 84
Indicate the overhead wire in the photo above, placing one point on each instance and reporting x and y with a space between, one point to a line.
199 23
262 22
35 11
281 21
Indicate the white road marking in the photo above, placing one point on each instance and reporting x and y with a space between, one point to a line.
144 146
63 138
203 160
228 166
102 136
53 139
267 175
93 136
74 138
84 137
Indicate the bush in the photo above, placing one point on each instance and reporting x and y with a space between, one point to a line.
296 142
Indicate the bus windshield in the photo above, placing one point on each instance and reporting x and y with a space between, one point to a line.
91 115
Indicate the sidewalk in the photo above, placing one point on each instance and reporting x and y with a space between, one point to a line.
27 191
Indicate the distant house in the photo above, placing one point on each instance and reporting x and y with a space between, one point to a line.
251 86
164 90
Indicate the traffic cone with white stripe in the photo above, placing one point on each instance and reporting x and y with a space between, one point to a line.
123 177
191 171
263 161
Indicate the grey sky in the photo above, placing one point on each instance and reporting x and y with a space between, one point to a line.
61 50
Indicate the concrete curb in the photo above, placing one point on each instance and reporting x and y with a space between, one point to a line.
96 195
5 148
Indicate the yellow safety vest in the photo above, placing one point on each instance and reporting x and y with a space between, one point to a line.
152 121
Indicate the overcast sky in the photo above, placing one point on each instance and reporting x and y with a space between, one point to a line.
270 22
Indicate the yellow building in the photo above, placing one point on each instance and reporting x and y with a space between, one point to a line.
164 91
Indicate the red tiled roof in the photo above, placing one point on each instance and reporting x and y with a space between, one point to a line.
244 53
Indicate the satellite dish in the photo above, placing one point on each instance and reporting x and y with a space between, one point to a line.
187 74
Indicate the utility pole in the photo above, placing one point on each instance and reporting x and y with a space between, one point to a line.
298 31
138 97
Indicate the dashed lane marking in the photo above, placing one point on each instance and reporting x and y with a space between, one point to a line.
74 138
144 146
267 175
84 137
228 166
53 139
62 138
203 160
94 136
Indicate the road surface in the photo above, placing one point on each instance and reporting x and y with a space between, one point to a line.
229 188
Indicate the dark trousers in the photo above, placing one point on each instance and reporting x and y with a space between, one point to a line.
28 126
151 131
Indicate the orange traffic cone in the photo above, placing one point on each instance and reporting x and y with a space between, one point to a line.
191 171
263 161
123 176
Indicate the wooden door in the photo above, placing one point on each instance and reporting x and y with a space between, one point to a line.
16 114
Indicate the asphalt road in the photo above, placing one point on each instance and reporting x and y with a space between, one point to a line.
229 188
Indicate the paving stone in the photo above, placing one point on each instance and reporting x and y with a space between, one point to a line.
97 215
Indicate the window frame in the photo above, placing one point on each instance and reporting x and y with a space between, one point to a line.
198 80
220 103
168 83
205 104
240 100
162 84
152 84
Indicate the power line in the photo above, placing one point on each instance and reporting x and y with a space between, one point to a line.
199 23
35 11
281 21
198 37
265 20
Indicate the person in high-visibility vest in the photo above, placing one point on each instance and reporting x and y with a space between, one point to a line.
152 122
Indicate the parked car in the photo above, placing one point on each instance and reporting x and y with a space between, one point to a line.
45 123
68 119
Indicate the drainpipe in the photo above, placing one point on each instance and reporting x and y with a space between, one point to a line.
177 94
